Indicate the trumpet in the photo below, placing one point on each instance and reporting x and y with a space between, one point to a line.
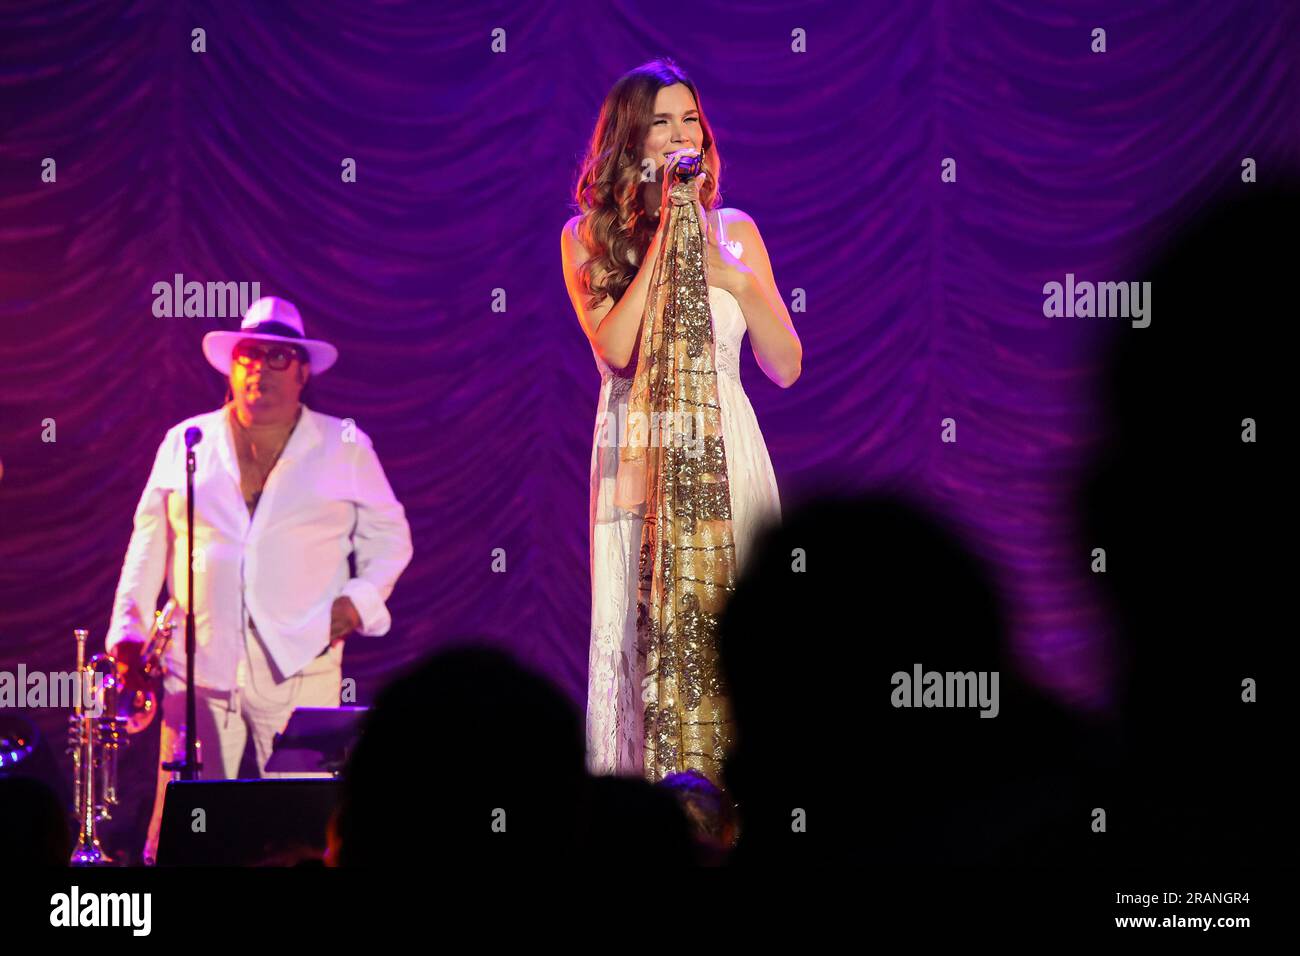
140 670
95 734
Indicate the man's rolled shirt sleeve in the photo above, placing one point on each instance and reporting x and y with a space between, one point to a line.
381 540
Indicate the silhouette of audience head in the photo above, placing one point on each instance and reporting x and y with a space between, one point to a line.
840 609
469 756
35 830
710 811
629 821
473 757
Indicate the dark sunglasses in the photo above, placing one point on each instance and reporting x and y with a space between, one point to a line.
276 357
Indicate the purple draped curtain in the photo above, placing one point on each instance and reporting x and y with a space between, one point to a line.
923 299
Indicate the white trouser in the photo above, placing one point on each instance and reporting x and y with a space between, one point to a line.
260 705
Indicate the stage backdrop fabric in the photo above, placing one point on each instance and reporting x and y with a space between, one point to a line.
920 300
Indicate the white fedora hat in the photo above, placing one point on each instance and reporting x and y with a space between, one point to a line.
272 320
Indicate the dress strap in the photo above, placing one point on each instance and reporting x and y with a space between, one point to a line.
722 235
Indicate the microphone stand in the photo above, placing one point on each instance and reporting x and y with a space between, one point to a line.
190 766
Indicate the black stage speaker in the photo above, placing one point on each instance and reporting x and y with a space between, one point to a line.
272 822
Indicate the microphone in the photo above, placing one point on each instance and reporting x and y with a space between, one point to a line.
688 167
192 437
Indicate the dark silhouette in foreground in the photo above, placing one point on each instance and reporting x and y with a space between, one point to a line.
1191 517
473 758
827 768
35 829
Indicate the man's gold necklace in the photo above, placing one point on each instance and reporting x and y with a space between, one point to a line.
252 450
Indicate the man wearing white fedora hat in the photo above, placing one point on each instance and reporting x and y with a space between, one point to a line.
283 495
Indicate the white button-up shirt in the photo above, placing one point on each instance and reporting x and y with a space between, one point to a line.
327 497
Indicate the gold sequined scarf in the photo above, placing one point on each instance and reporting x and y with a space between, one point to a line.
672 461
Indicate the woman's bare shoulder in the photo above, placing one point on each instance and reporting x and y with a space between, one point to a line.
739 226
731 215
575 251
570 234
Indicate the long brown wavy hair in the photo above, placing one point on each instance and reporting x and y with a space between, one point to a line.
615 227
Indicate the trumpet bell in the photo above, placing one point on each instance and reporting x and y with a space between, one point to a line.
137 700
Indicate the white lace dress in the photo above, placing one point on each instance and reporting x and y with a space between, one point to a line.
614 706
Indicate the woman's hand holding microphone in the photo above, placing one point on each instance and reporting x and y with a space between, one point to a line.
725 270
667 174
